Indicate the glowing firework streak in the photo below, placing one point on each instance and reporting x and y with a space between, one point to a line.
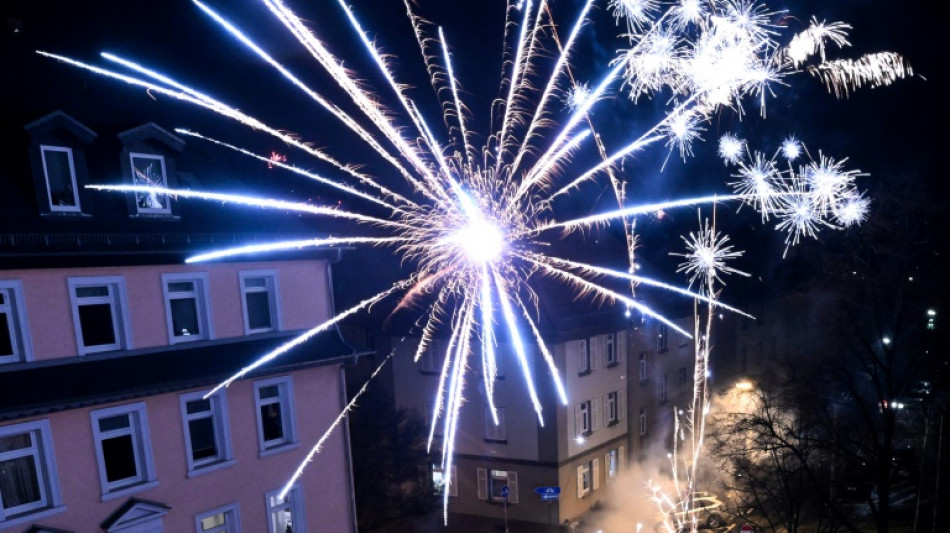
290 245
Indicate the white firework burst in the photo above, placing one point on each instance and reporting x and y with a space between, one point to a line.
708 250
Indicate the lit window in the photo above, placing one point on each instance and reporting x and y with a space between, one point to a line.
123 448
222 520
587 477
186 307
285 515
583 354
613 407
610 351
28 482
495 432
613 462
642 366
15 343
643 421
439 480
60 174
149 170
275 419
662 337
494 484
99 314
260 301
207 439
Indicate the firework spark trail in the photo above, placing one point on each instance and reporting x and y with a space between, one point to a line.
459 112
307 335
291 245
545 353
489 363
516 68
252 201
437 406
504 299
326 434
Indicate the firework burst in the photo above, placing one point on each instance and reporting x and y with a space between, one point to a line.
475 220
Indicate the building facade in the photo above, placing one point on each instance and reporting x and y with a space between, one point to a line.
110 345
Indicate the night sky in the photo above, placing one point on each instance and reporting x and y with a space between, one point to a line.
895 134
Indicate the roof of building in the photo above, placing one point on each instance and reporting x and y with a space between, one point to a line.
73 382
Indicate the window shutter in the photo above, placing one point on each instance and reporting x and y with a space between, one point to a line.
594 414
482 475
582 360
620 345
512 487
571 353
621 458
607 478
595 473
596 343
578 421
454 482
606 410
621 405
580 482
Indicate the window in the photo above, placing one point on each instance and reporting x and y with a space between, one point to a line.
438 481
585 418
149 170
207 439
610 351
643 422
186 307
285 515
275 418
613 463
99 314
682 376
260 301
583 360
588 477
662 337
642 367
431 360
60 174
662 389
492 483
495 432
613 407
28 482
15 343
225 519
123 448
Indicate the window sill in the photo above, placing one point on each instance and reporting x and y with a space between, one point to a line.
612 364
278 449
31 516
613 423
125 491
211 467
585 372
497 441
65 214
156 216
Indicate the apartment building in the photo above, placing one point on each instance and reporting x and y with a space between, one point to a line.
110 344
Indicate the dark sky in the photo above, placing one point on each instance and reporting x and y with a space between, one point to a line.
895 134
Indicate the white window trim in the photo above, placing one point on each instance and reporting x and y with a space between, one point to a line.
202 301
150 210
662 337
231 509
643 422
222 433
296 508
583 471
19 324
285 386
584 359
274 300
46 472
610 351
72 174
143 450
120 307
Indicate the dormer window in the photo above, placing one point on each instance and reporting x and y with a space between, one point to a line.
148 170
59 170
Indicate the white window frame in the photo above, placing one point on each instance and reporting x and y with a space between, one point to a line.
495 433
584 365
662 337
663 389
150 210
613 464
613 407
41 450
141 447
285 396
643 421
13 307
611 358
293 502
232 519
118 301
642 367
271 288
72 174
585 481
439 486
218 413
202 299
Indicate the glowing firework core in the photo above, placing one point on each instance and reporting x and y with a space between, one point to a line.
481 241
